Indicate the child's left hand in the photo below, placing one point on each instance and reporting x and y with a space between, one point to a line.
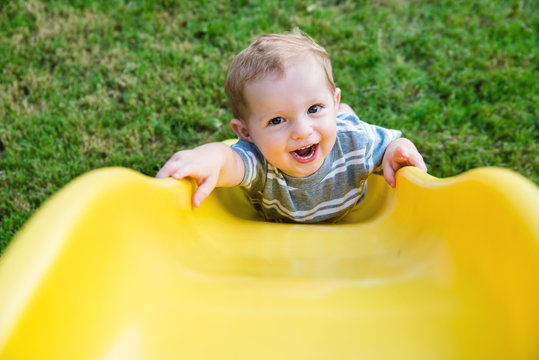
400 153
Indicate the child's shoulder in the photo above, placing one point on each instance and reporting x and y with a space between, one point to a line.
348 122
248 151
347 117
243 146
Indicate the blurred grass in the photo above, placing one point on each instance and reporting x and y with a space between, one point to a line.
87 84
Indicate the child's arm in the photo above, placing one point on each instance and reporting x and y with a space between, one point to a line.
213 164
400 153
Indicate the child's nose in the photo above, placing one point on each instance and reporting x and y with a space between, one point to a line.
302 129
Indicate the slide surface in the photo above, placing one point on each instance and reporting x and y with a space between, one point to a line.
117 265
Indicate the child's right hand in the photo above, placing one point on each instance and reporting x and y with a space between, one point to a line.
211 165
400 153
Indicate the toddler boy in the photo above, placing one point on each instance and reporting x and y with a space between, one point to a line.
298 158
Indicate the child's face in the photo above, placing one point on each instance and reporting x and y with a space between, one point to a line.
291 118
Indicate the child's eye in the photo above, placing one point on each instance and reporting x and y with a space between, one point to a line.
276 121
314 109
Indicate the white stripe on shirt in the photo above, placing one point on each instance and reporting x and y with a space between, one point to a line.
249 170
305 215
344 167
346 125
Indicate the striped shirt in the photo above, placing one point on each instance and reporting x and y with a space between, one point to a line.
328 194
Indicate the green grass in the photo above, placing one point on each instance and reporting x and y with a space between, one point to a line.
87 84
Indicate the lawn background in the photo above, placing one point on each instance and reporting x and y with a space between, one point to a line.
87 84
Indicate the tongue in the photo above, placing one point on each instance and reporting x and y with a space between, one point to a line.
304 152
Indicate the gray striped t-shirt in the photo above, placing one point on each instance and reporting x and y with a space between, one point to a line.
329 193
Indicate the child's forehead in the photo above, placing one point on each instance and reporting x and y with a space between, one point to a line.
299 85
310 65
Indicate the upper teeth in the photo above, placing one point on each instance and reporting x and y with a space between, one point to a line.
305 147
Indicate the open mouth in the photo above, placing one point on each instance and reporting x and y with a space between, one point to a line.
306 153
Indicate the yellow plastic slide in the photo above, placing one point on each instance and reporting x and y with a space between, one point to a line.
117 265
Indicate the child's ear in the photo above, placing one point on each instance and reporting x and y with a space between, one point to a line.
240 129
337 97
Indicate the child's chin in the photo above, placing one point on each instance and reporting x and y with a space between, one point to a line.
304 171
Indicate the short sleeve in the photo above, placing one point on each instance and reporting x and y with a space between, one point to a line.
373 140
381 138
254 163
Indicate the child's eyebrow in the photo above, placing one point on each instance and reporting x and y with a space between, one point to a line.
262 118
271 113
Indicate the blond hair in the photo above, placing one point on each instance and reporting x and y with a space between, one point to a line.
270 54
